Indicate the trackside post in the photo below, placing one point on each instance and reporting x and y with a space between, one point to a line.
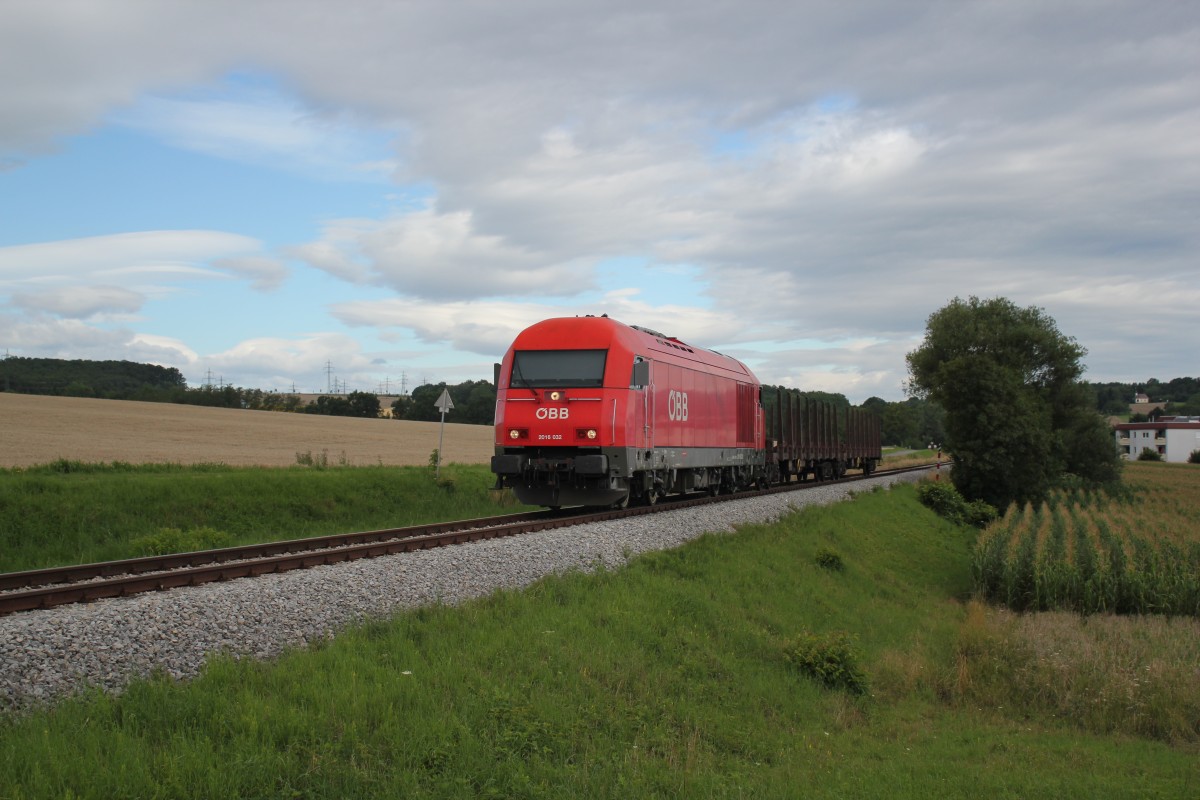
443 404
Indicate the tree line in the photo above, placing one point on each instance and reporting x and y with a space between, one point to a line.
474 401
117 380
1182 395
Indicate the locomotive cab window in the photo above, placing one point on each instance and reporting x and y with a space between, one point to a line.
567 368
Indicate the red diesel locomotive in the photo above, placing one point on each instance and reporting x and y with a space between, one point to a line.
593 412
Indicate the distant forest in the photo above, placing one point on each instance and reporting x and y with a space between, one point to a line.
1182 395
910 423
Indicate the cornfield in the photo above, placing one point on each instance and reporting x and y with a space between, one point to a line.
1135 551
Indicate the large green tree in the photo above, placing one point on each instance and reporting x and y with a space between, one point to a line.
1017 416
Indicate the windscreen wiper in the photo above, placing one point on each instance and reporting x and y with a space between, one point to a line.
517 374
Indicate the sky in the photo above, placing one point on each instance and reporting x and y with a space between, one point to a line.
370 194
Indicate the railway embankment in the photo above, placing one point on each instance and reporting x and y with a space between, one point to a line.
668 672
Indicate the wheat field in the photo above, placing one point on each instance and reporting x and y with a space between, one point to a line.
37 429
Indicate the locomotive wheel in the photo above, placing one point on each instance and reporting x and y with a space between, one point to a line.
651 497
622 503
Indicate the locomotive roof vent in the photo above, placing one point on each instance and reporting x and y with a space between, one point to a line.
650 331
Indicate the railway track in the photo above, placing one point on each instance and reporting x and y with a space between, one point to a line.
46 588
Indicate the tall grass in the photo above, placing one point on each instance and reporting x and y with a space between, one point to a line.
1105 673
69 512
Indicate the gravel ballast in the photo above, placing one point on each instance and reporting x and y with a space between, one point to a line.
48 654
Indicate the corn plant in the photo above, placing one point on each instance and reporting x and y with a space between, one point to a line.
1133 551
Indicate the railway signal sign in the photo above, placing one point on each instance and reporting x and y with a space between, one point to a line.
443 404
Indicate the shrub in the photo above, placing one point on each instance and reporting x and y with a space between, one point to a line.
946 502
830 659
942 498
307 459
980 514
1194 458
174 540
1149 455
828 559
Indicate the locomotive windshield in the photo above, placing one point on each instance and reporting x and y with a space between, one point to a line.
567 368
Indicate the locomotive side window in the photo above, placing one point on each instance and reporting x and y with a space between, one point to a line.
568 368
640 378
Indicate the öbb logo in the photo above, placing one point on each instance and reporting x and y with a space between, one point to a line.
677 406
552 413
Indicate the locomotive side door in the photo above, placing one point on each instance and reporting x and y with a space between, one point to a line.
643 410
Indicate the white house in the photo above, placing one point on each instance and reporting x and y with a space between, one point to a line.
1173 438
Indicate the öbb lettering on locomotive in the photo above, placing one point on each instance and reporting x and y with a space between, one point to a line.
677 406
593 412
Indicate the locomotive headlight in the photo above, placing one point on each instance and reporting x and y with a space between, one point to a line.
514 434
556 396
591 434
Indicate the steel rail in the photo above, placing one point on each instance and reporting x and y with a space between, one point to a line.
88 582
134 566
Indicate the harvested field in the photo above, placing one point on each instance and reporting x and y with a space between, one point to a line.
38 429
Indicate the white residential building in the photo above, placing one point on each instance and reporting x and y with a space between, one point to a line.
1173 439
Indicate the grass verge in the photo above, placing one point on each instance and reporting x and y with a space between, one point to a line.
72 513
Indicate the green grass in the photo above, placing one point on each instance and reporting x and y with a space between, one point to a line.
670 678
71 513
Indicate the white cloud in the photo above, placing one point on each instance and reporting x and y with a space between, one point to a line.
280 356
434 255
260 125
54 337
163 350
146 254
81 302
266 273
117 274
489 327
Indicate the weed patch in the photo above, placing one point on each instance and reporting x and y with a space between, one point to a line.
174 540
1104 674
830 560
831 659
